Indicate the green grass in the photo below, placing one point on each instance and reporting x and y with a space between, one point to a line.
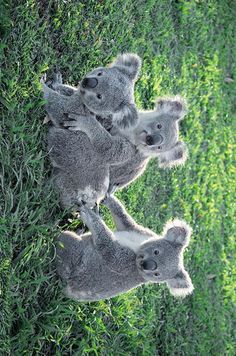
188 47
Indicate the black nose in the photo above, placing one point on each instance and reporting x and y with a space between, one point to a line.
149 140
149 265
89 83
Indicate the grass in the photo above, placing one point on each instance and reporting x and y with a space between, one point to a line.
188 47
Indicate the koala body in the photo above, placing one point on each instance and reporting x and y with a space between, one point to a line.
81 162
103 264
155 135
104 92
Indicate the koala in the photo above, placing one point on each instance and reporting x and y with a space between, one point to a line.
104 92
103 264
81 161
155 135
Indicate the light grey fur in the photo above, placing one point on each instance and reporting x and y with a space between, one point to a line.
81 162
161 126
103 264
170 152
112 93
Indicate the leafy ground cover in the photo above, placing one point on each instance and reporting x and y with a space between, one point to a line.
188 47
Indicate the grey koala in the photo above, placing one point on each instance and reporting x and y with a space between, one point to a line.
103 264
155 135
81 162
104 92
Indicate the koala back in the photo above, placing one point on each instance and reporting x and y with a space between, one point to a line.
87 275
79 171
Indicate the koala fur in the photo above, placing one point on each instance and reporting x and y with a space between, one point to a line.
103 264
104 92
155 135
81 162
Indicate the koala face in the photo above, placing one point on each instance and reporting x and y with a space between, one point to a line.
157 131
110 91
158 260
161 259
104 89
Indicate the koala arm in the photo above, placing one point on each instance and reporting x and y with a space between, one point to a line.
66 90
59 87
115 256
121 218
115 149
123 221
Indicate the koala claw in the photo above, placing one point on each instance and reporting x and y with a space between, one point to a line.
43 78
70 123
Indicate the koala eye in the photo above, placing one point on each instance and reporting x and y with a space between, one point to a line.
99 96
159 126
159 147
156 252
156 274
99 74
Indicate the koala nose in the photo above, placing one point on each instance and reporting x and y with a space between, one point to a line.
149 140
149 265
89 83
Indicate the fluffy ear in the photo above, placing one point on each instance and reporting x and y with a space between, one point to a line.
175 106
181 285
125 116
177 232
129 64
174 157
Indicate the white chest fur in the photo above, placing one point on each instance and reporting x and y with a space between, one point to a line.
130 239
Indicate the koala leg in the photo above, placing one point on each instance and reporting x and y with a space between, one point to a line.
55 104
121 218
66 90
114 255
95 224
69 253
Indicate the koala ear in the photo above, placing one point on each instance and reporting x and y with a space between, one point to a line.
125 116
177 232
175 106
174 157
181 285
129 64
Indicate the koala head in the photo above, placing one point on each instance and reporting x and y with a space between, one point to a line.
157 132
110 91
161 259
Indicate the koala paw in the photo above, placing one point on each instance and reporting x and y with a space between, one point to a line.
108 199
78 122
57 80
71 124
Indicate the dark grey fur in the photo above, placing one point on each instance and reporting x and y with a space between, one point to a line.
103 264
112 94
155 135
81 162
170 151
